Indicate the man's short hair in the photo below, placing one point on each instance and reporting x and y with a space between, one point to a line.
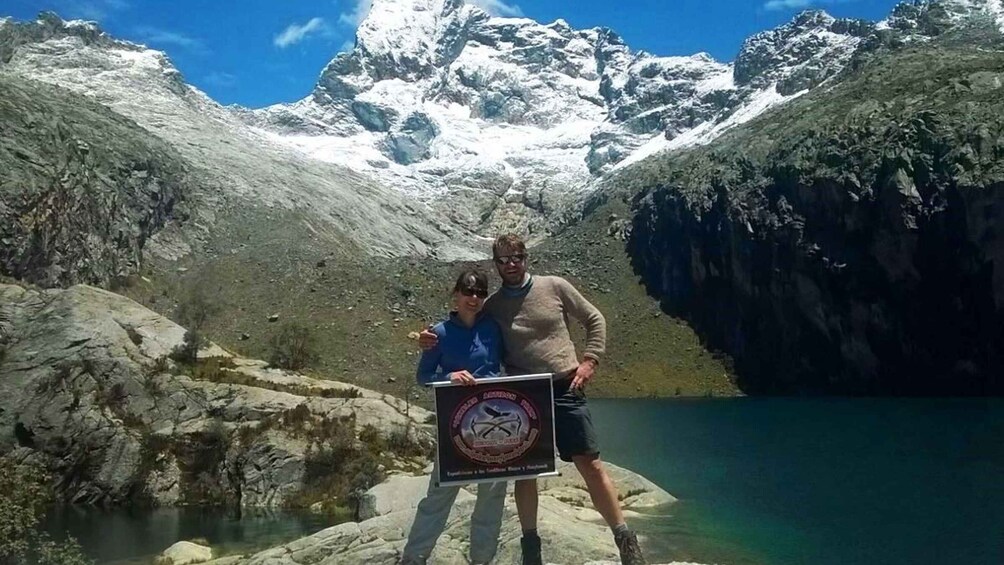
508 242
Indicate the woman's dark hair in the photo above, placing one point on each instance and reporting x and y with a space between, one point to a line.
471 279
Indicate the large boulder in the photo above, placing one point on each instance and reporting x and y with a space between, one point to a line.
575 533
88 389
184 553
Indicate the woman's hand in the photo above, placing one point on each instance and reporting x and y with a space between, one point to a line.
464 378
427 339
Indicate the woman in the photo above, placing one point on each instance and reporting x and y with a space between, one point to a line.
469 347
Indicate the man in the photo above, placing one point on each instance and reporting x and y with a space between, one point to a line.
533 315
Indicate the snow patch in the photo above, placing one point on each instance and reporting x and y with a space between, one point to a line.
82 24
708 131
995 8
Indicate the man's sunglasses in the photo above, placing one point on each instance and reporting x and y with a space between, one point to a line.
506 259
479 292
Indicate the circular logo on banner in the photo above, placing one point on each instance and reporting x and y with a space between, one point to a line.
495 426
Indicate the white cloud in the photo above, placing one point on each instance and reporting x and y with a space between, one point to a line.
96 10
778 5
357 15
498 8
220 79
156 36
296 33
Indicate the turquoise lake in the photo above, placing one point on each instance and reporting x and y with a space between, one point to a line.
765 481
818 481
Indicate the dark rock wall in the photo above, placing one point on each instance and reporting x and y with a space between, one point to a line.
853 302
859 250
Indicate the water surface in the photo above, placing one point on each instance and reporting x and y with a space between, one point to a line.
132 536
818 481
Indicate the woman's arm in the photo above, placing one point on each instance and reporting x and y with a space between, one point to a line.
495 350
428 365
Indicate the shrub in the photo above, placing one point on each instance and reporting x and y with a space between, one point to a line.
188 351
340 393
292 348
297 417
404 443
201 458
196 306
161 364
24 495
371 436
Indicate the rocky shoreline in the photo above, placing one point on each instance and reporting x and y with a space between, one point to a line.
573 531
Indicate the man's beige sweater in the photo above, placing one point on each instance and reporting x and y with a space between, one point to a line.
535 327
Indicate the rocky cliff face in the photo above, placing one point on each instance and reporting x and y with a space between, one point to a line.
88 390
849 242
235 172
83 189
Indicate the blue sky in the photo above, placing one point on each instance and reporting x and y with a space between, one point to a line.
259 52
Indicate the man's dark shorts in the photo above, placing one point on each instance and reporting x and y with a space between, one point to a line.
573 425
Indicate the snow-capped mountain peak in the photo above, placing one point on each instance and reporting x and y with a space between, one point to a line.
519 118
494 123
800 54
409 39
933 17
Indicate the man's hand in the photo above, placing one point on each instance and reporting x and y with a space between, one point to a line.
427 339
584 373
464 378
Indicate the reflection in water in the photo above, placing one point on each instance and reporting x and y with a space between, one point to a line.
123 536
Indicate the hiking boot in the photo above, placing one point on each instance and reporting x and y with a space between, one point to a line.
531 550
410 560
627 544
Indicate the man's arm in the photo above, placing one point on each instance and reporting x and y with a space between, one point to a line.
590 317
596 330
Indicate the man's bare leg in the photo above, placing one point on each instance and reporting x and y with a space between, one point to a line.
601 489
604 495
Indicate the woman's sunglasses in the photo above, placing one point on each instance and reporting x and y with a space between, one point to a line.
479 292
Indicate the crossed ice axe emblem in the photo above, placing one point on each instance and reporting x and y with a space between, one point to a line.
499 421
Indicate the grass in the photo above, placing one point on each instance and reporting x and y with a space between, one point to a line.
360 310
223 371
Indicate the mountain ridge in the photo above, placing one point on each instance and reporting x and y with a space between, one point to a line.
274 230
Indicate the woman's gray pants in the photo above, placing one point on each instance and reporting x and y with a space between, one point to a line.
430 519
